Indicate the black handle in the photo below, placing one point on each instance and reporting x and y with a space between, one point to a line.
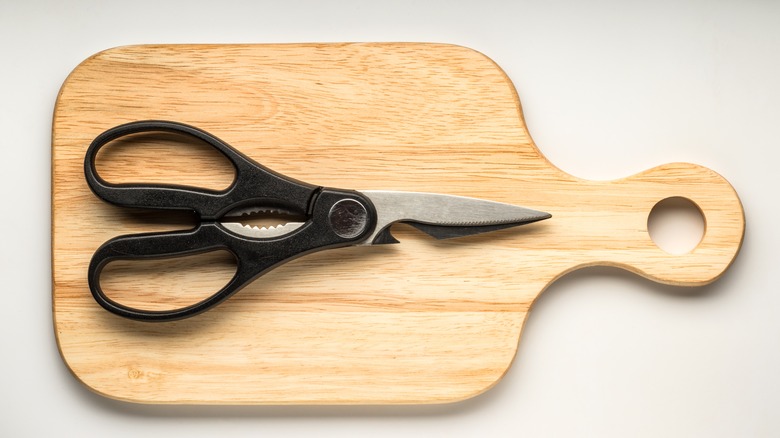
336 218
254 256
253 184
204 238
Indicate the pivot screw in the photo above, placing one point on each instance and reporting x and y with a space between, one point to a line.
348 218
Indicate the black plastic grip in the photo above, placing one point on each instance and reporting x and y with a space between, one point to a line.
329 224
254 256
253 184
205 238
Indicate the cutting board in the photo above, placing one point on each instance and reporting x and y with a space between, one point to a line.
424 321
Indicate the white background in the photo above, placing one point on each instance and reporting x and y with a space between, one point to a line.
609 88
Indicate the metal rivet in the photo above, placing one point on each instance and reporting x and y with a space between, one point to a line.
348 218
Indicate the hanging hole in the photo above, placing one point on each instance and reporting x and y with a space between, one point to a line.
676 225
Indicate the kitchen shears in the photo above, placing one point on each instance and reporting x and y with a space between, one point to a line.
333 218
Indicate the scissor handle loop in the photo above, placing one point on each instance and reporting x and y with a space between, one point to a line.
253 183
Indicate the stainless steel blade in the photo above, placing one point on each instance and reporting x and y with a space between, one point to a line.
444 211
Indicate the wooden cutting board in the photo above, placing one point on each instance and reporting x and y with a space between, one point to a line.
421 322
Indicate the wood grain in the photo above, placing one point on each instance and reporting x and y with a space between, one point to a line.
421 322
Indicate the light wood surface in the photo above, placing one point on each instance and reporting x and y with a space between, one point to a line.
424 321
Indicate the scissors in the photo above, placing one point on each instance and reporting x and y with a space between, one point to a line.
334 218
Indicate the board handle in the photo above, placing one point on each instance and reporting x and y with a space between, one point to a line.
619 212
